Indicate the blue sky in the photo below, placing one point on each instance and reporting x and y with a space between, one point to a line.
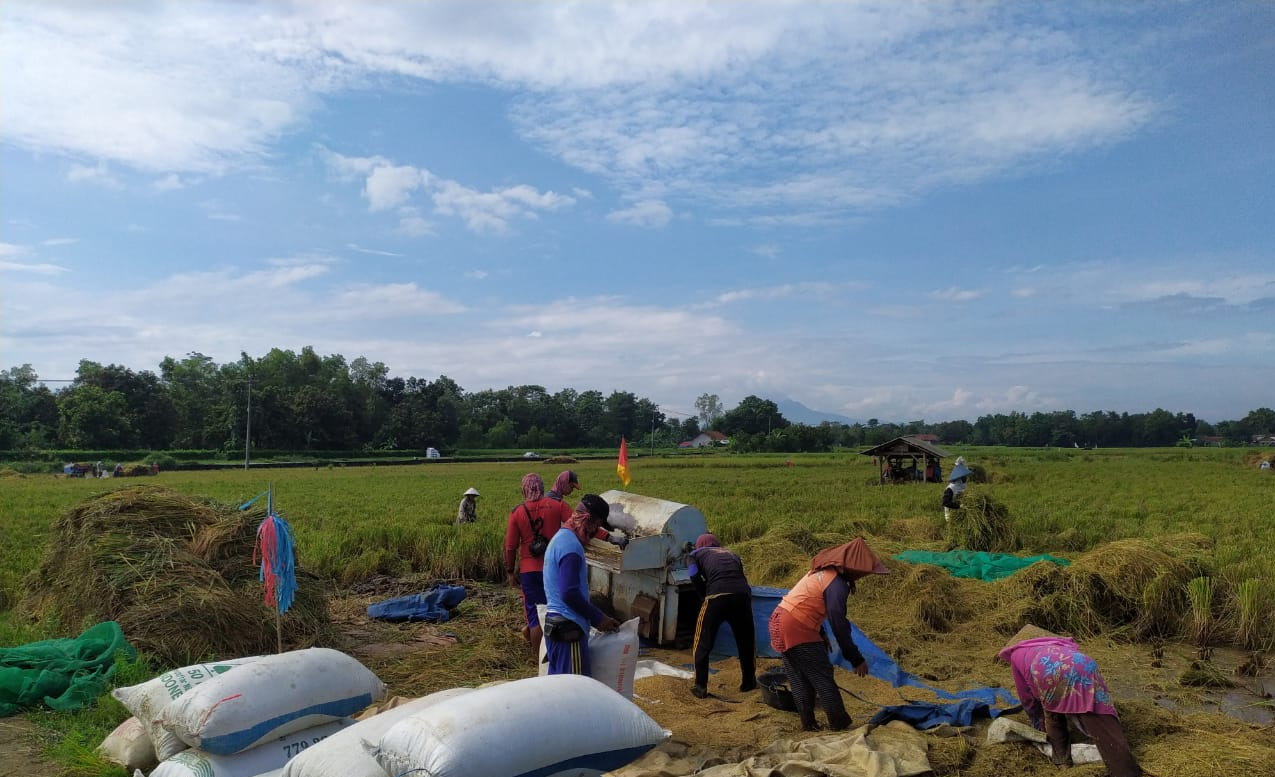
899 211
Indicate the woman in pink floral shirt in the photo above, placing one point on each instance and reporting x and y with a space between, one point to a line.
1055 681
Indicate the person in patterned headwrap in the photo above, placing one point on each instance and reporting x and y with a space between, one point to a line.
531 525
568 481
1057 683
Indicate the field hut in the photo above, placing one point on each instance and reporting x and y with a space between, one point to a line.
908 460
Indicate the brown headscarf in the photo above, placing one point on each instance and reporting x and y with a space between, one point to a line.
706 540
853 559
533 487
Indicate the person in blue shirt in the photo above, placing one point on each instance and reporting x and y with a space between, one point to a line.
569 613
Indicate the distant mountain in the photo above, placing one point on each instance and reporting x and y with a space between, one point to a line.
798 413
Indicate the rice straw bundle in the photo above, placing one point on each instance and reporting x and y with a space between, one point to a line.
982 523
176 572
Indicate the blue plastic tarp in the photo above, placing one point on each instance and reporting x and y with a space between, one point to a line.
435 604
958 708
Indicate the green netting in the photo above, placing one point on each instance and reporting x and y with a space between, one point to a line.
64 674
978 565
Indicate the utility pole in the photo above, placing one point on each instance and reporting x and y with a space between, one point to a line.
247 433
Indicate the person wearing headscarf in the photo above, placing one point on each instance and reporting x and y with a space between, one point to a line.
718 574
568 481
1057 683
468 510
795 629
527 534
569 613
955 487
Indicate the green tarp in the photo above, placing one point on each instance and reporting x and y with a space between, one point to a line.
978 565
64 674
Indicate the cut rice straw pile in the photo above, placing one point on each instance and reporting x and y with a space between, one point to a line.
176 572
983 524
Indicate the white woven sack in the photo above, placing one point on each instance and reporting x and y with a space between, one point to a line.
147 701
501 732
268 758
249 763
270 698
343 755
129 746
613 657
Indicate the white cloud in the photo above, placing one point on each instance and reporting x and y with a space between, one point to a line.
960 401
807 290
60 241
1019 398
388 185
491 211
42 268
12 249
98 174
168 183
372 251
1024 292
390 300
768 250
803 111
476 275
647 213
412 225
954 294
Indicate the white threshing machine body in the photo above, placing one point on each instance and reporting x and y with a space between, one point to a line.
649 578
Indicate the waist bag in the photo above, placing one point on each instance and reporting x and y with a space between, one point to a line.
562 629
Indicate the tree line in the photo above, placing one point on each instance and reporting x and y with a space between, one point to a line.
307 402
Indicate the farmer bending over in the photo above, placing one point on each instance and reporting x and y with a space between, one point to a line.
468 510
718 574
795 629
1057 683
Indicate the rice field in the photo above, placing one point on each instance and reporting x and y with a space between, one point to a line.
352 523
1169 546
355 521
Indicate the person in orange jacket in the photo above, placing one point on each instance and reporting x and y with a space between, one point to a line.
795 630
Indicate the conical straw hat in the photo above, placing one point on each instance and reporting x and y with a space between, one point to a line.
1025 633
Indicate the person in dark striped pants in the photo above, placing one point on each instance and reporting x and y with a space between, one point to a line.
719 576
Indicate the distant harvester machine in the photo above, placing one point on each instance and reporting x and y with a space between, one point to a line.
649 578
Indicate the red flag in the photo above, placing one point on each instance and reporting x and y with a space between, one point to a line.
622 466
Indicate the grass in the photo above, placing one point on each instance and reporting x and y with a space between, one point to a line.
352 523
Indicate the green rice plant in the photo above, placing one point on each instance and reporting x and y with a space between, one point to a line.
1252 606
1199 593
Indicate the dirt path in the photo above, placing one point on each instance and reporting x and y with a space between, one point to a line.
20 750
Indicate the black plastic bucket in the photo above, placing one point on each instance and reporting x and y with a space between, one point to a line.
774 689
